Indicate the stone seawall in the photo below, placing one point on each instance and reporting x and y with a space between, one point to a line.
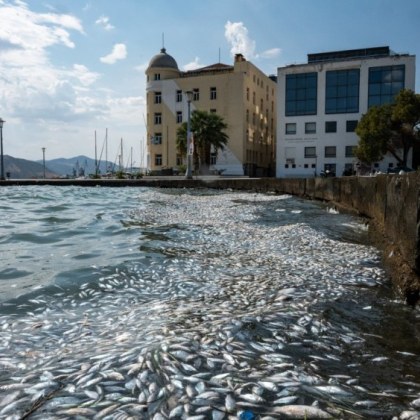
390 202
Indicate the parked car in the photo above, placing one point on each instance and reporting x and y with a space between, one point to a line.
398 169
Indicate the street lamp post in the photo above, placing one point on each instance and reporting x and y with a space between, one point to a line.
188 174
43 159
1 149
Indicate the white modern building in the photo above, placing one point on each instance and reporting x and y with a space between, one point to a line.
320 103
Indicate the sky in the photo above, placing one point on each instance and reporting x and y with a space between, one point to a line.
73 68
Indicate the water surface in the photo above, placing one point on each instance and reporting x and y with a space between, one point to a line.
177 303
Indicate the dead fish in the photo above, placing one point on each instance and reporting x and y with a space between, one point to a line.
304 412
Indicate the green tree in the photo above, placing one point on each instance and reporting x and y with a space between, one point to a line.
391 128
208 132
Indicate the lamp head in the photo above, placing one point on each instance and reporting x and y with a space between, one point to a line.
1 122
190 95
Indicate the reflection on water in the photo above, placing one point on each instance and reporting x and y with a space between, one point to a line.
181 303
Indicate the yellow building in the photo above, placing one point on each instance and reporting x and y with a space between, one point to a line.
241 94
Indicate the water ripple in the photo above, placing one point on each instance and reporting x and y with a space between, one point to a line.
193 303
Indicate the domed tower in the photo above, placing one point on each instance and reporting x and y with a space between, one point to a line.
161 73
162 66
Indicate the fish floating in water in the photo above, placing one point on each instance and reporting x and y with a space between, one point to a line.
229 309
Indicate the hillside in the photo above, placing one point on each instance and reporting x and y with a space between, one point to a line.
76 166
26 169
54 168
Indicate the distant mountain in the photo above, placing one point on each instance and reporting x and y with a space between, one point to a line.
26 169
77 166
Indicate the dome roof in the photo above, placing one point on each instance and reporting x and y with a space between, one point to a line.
163 60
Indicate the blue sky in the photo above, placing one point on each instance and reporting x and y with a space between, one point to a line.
70 67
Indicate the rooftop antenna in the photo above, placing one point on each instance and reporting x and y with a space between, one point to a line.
219 55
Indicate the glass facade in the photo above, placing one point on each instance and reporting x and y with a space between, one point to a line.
342 91
310 128
351 126
291 128
330 151
301 94
310 152
330 126
385 83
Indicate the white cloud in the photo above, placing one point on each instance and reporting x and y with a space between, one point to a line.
119 52
142 67
34 32
271 53
82 73
193 65
104 22
53 106
237 35
32 87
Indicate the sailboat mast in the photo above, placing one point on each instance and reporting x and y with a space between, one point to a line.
122 157
106 151
96 157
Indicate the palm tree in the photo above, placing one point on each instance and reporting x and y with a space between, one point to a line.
209 135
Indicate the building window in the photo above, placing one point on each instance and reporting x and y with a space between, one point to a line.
310 128
330 151
253 98
158 97
331 126
158 160
157 76
342 91
301 94
351 126
213 111
348 169
247 94
213 93
384 84
253 118
196 94
213 158
179 95
158 118
310 152
247 115
330 167
157 138
179 117
291 128
350 151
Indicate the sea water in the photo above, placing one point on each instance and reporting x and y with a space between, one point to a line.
157 303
